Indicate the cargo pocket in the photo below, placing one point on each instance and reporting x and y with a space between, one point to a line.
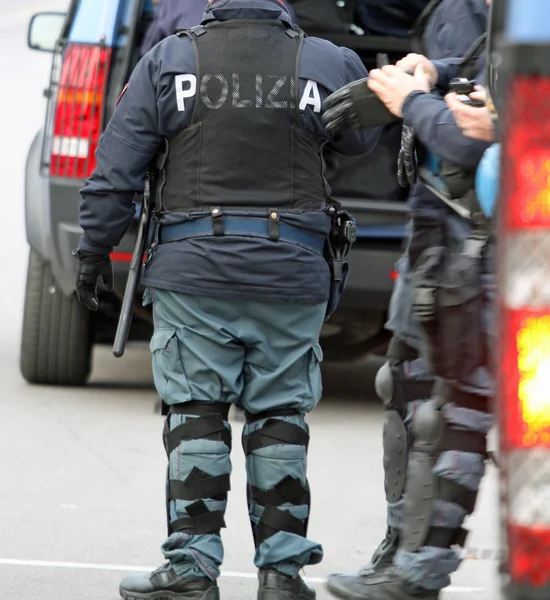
459 316
315 385
168 372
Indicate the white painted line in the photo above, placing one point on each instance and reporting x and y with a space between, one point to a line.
133 569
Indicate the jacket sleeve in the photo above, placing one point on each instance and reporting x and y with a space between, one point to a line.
126 148
354 142
435 126
447 69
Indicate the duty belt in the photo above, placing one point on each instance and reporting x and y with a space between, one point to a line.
268 228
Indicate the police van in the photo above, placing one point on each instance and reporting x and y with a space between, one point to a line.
95 45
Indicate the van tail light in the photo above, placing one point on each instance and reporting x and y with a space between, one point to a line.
78 111
524 348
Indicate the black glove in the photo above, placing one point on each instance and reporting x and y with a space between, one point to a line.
407 167
355 107
89 269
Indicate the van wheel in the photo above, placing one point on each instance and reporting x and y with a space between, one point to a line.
56 345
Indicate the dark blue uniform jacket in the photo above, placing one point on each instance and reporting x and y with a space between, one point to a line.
177 14
231 267
453 29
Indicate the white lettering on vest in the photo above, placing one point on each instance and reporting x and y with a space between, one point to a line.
215 95
271 102
311 97
186 87
223 95
237 102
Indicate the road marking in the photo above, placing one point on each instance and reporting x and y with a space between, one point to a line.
132 569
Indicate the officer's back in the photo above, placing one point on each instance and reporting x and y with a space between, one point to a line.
261 143
236 274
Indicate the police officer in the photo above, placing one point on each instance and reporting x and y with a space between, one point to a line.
246 263
448 430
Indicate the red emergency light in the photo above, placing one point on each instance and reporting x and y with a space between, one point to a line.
78 114
524 306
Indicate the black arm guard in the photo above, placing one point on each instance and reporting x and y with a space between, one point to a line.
355 107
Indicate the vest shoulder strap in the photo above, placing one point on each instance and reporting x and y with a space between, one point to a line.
467 67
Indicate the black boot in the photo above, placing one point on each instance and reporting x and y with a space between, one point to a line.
380 569
385 588
276 586
164 584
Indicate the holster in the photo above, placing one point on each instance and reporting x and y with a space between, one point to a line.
342 236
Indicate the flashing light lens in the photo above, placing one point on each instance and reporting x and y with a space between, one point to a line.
529 558
533 191
533 344
525 384
526 154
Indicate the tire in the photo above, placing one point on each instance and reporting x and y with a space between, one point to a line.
56 344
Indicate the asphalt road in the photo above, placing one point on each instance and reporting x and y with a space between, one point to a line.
82 471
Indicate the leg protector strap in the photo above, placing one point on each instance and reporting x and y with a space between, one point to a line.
288 491
275 432
274 520
409 390
444 537
274 412
200 521
471 401
465 441
209 427
399 351
200 485
201 409
451 491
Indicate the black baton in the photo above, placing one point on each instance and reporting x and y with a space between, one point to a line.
134 276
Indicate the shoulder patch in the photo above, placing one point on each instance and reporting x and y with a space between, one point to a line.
121 94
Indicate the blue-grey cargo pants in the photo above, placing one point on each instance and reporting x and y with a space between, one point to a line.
458 469
209 353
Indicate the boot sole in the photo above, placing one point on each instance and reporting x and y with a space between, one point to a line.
278 595
210 594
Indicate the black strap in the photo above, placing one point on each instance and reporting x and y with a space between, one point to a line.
275 432
453 492
465 441
445 537
288 491
471 401
209 427
200 520
199 485
273 226
410 390
467 68
274 520
266 414
400 351
201 409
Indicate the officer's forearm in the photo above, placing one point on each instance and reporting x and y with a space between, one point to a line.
105 217
436 128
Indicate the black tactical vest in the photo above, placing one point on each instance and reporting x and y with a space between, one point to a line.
246 147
